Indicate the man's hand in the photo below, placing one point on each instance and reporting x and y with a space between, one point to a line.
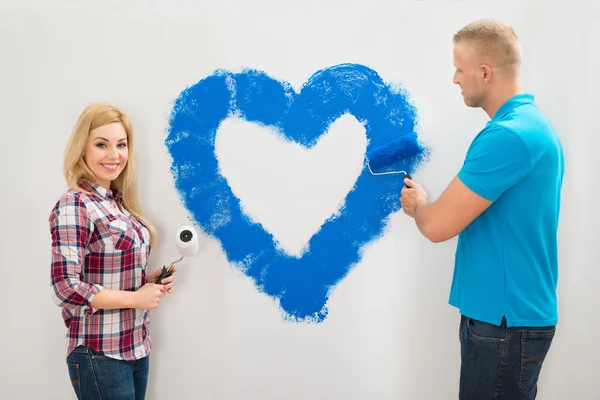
412 196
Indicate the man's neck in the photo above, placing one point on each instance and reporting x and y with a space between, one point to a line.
505 91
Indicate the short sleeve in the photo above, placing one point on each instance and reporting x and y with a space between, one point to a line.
496 160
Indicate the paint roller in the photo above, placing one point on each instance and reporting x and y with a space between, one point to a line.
187 245
398 149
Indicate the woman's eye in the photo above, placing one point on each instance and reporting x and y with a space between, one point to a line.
122 145
101 145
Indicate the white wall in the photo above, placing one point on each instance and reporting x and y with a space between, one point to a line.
389 332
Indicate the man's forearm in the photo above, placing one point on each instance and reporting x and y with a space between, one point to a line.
425 220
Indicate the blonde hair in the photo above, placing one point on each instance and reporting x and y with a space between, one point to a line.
497 43
75 168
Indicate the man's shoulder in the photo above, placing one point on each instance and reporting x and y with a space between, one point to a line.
497 135
525 119
532 128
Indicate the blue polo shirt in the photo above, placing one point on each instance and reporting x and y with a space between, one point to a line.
506 261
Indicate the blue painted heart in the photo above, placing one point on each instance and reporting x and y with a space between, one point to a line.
302 285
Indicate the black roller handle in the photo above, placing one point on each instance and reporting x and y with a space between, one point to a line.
406 176
163 275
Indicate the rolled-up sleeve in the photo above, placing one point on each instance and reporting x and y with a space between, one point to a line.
71 229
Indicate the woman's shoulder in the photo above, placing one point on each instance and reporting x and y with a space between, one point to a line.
72 199
73 196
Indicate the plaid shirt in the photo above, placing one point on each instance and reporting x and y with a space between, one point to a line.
97 244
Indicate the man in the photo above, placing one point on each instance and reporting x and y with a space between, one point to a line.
504 206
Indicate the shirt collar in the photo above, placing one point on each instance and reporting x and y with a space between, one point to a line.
512 103
100 190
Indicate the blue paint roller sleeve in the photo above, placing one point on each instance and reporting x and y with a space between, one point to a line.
399 149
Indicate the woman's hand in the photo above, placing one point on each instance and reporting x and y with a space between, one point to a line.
148 296
167 283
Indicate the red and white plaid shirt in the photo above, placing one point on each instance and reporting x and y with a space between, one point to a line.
97 244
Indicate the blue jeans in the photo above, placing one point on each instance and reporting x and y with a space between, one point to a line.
97 377
499 362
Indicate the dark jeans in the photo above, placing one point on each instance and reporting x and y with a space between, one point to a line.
97 377
499 362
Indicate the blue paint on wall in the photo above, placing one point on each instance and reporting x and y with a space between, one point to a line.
301 284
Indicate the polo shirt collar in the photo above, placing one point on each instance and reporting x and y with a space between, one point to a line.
512 103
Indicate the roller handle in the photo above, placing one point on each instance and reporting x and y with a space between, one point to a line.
406 176
164 274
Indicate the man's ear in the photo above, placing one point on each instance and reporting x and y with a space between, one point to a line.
486 73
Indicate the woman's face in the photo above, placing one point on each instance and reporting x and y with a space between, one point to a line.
106 152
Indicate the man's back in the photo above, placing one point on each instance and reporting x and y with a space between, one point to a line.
506 259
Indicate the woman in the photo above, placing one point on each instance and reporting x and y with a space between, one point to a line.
100 248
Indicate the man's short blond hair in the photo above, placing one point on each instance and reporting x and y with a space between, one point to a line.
496 43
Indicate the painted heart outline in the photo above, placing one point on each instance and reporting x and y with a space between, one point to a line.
302 285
